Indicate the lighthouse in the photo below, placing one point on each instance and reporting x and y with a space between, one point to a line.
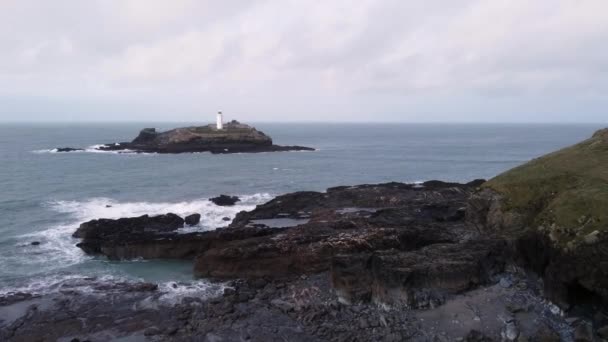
219 121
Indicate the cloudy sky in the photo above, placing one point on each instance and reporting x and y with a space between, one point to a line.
304 60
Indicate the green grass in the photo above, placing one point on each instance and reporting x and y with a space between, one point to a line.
565 191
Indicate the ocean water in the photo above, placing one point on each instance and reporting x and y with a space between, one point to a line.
44 196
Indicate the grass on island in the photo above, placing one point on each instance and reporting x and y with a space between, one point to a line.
565 192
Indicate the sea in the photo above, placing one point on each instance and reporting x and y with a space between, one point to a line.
45 195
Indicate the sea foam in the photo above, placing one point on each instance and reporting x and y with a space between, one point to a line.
57 254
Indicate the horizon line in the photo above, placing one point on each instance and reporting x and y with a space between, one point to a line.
308 122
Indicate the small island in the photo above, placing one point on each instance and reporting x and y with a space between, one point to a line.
219 138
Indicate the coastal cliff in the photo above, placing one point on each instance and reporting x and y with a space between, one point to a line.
555 208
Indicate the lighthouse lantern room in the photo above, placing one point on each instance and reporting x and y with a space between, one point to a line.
219 121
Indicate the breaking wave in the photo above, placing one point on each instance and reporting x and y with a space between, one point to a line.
91 149
212 216
56 263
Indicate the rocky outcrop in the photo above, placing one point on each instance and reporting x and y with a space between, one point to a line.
225 200
358 224
193 219
420 278
154 237
235 137
105 228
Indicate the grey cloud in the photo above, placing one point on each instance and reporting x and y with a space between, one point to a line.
391 60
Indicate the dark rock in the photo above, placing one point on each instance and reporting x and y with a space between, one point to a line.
225 218
143 287
546 334
35 243
419 278
477 336
310 246
259 283
133 225
282 305
152 331
155 237
146 135
225 200
193 219
229 292
603 332
584 332
68 149
15 297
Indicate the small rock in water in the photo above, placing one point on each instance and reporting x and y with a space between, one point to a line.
193 219
226 218
225 200
108 206
35 243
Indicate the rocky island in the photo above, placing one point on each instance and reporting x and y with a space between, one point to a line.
231 137
521 257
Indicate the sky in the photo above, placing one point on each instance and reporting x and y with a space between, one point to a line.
304 60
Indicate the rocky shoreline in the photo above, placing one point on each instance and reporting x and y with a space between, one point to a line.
384 262
434 261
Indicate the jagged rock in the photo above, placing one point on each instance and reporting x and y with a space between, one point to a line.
193 219
225 200
419 278
154 237
156 224
309 247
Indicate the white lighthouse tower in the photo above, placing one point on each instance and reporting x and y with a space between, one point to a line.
219 121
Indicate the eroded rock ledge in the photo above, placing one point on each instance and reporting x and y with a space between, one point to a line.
410 245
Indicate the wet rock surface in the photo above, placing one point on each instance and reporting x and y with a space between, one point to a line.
292 309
